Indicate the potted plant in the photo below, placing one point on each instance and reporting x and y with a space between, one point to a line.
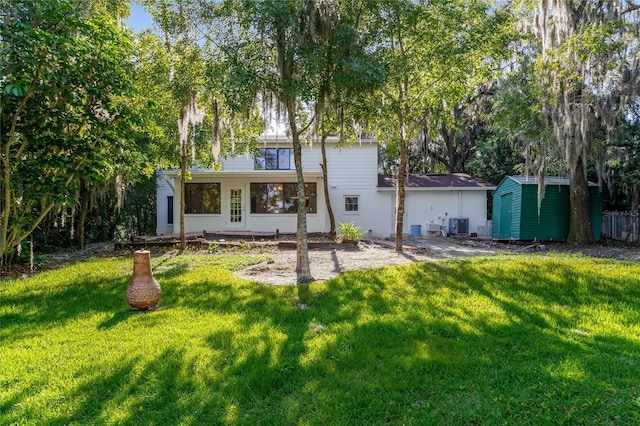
349 232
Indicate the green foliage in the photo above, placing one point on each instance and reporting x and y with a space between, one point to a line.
624 166
510 339
349 231
66 78
586 69
436 55
455 122
495 159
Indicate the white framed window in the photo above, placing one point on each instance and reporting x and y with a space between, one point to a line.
352 204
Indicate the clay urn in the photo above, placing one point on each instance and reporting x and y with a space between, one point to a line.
143 291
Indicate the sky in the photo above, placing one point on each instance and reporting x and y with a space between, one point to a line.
139 19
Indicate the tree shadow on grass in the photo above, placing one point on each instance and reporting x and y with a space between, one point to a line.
437 343
120 317
55 306
136 392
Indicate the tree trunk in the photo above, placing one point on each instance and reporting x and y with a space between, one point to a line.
401 182
183 175
7 202
332 219
449 139
82 216
580 219
303 270
401 190
5 207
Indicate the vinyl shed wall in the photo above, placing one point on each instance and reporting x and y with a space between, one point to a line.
515 212
552 224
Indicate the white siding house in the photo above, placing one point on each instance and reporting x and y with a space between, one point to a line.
258 194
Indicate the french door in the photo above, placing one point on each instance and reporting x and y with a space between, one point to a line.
236 209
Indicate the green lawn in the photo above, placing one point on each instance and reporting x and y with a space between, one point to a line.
502 340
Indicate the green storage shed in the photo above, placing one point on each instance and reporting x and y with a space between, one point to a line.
515 209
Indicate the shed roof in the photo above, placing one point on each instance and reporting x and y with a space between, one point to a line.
453 180
548 180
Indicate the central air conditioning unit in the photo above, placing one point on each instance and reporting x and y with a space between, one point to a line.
458 226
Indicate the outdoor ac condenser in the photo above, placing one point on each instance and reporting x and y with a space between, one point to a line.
458 225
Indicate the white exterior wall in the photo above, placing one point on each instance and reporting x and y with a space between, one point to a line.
242 163
164 190
376 213
285 223
439 205
352 171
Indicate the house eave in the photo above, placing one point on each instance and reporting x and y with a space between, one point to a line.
446 188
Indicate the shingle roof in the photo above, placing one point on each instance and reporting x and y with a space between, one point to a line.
453 180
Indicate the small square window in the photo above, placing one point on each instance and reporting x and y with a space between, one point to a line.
352 204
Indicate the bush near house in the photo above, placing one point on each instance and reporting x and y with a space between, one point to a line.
349 231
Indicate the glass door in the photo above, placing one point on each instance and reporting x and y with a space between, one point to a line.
236 208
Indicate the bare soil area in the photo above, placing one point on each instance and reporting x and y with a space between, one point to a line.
331 261
328 263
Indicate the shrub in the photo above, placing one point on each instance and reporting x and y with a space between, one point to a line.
349 231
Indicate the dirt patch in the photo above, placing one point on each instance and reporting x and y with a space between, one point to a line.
329 263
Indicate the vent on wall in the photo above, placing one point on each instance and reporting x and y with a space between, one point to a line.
458 225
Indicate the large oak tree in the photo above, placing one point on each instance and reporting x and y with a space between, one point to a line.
588 74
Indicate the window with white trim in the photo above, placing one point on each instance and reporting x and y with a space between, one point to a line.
352 204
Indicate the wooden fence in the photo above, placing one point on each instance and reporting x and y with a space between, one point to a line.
624 226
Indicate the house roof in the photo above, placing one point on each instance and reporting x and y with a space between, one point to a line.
453 180
548 180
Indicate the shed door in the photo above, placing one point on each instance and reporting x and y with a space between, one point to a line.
505 215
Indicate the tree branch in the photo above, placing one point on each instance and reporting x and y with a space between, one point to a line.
631 8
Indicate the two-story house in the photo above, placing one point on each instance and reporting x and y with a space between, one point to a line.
258 194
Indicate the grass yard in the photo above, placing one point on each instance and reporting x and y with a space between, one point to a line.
503 340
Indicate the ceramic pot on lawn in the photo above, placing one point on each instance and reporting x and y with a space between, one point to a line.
143 291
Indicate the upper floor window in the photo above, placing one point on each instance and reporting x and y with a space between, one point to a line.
202 198
274 159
